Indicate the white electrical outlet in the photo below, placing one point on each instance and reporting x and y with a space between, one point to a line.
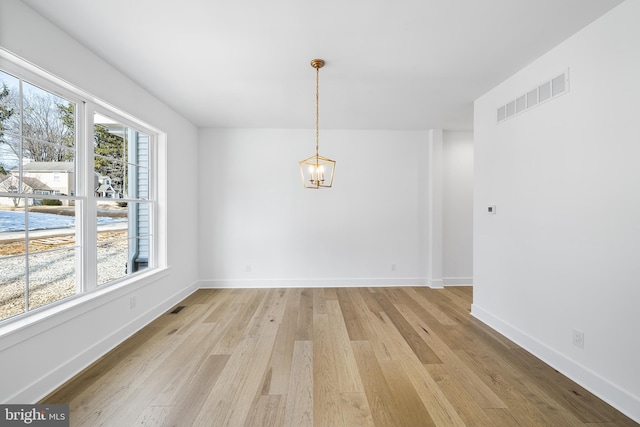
578 338
132 302
248 268
393 267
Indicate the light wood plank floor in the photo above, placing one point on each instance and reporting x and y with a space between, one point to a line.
326 357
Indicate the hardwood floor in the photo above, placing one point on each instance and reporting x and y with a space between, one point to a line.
326 357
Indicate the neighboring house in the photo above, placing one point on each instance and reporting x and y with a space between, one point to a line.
59 176
105 189
10 184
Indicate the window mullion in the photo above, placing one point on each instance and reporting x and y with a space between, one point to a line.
89 215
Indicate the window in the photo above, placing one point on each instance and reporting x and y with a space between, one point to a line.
54 177
121 165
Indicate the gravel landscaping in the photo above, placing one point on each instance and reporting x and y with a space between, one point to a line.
52 270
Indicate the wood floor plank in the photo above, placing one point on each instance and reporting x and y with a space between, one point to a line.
475 388
355 410
514 389
326 401
440 409
405 396
460 396
239 315
221 306
281 357
319 301
268 410
417 344
125 377
377 390
191 397
162 386
371 324
424 298
299 405
230 399
153 416
344 357
345 363
331 294
304 330
587 407
351 318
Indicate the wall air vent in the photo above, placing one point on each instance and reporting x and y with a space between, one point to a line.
542 93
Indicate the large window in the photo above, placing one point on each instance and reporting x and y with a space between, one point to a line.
77 200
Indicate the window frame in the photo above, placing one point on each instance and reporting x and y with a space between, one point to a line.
93 200
86 214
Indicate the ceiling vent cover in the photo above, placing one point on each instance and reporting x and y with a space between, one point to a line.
539 95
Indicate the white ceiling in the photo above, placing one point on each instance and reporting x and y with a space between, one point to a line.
402 64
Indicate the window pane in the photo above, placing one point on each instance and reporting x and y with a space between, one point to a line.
47 118
12 285
138 182
121 160
112 224
9 155
112 256
12 257
9 106
51 276
50 176
110 177
123 239
12 220
51 224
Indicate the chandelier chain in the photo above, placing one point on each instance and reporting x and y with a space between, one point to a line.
317 106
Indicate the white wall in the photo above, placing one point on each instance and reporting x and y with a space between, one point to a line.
562 251
255 213
457 218
37 357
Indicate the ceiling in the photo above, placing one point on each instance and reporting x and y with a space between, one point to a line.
402 64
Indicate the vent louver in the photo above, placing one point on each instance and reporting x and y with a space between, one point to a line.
542 93
177 310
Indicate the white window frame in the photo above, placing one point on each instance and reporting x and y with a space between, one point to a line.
91 108
86 230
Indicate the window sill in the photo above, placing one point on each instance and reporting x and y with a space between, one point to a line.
28 326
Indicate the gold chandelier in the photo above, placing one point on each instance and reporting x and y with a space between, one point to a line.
317 171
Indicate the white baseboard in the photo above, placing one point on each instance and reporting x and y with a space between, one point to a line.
457 281
39 389
620 399
311 283
435 283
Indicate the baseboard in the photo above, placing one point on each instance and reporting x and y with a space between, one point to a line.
39 389
435 283
620 399
457 281
311 283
